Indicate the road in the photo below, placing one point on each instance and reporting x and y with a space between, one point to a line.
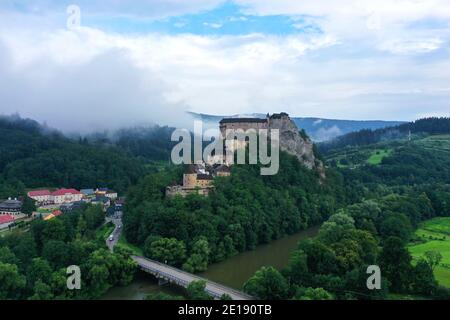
117 221
171 274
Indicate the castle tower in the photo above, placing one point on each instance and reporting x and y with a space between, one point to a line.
190 177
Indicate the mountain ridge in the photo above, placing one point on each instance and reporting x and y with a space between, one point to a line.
319 129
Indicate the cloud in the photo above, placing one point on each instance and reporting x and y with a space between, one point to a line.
94 79
325 134
79 93
213 25
387 24
147 9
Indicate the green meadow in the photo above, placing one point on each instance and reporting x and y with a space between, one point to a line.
378 155
434 235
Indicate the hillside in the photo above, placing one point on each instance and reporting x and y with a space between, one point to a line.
423 159
402 131
33 156
317 128
151 143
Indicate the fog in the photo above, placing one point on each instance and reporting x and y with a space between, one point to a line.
106 93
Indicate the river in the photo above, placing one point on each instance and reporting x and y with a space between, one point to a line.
232 272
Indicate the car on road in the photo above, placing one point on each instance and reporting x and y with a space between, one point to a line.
111 238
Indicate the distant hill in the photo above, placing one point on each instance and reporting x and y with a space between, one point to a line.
34 156
402 131
317 128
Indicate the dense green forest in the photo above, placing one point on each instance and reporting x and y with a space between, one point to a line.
32 156
149 143
33 264
245 210
377 193
392 187
371 204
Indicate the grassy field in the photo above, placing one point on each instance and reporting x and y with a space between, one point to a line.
435 142
434 235
378 155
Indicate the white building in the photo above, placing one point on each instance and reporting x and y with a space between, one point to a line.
66 196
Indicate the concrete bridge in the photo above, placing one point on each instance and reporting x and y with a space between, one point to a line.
182 278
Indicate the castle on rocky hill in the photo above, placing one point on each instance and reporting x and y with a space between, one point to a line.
198 178
291 140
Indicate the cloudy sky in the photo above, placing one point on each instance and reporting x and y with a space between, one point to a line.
148 61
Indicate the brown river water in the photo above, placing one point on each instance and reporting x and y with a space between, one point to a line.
233 272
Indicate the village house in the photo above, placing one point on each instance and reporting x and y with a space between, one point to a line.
42 197
11 207
88 194
104 201
66 196
106 193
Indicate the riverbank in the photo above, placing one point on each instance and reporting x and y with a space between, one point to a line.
233 272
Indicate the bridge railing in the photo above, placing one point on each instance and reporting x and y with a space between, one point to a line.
185 283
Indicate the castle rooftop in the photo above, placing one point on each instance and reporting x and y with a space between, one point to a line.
242 120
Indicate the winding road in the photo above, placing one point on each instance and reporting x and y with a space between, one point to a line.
170 274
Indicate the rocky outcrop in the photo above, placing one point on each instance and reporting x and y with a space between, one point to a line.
295 143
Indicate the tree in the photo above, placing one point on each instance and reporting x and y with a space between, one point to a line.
7 256
163 296
56 253
165 250
25 250
397 225
198 261
423 279
39 270
54 230
297 269
433 258
196 291
28 206
312 294
11 281
395 262
333 230
42 291
267 284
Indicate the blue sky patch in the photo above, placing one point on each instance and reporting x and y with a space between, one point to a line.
226 19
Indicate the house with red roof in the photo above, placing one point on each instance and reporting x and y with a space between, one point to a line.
41 196
6 221
57 213
66 196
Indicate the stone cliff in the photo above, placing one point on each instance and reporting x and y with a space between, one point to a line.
295 143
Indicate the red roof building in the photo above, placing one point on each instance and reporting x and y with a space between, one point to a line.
6 219
63 192
57 213
39 193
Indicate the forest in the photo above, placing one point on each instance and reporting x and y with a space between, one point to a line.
245 210
369 207
369 213
388 200
34 156
432 125
33 264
